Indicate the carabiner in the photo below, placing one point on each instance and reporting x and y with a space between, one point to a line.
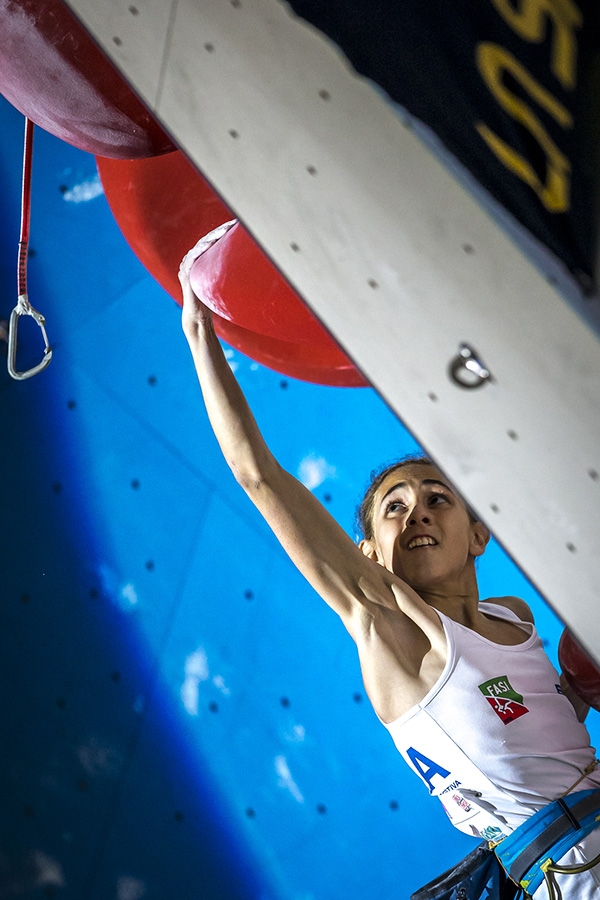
24 308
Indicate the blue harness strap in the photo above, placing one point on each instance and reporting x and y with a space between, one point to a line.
546 836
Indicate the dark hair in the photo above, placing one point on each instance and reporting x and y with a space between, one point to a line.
364 513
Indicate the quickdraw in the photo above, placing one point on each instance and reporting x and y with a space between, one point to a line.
24 307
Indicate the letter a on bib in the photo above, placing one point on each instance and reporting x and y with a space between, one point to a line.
426 767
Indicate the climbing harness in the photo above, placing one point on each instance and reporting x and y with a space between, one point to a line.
515 867
23 307
528 854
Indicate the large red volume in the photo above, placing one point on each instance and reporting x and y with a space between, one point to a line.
53 72
240 284
163 206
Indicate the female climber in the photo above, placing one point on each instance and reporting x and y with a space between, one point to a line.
465 689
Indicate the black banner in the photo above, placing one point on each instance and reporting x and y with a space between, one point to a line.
511 87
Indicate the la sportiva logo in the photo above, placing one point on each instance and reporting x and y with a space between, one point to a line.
504 700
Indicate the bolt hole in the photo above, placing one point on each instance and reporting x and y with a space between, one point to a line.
94 593
25 598
512 435
433 397
71 404
117 41
135 484
249 595
152 380
283 385
593 474
134 10
394 805
210 48
358 698
61 703
179 817
468 248
494 507
285 702
295 247
150 565
57 487
324 95
311 170
250 813
571 547
116 676
233 133
213 707
321 809
372 284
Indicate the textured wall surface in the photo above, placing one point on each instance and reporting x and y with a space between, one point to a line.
182 718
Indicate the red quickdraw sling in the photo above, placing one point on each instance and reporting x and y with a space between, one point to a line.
23 307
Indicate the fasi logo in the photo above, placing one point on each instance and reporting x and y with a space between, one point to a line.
504 700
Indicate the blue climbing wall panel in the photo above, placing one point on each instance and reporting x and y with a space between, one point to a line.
182 717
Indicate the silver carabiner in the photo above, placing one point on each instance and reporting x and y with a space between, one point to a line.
24 308
467 370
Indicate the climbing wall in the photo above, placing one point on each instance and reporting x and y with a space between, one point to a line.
399 260
182 716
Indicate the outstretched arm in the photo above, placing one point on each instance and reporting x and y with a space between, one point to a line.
337 569
232 421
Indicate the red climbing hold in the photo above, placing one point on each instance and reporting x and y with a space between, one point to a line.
238 282
55 74
580 670
256 310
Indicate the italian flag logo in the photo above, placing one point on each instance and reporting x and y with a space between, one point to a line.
504 700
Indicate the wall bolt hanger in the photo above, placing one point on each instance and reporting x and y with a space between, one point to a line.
467 370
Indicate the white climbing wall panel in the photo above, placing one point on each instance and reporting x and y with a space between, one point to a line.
398 261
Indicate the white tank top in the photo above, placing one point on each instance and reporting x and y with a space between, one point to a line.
494 739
